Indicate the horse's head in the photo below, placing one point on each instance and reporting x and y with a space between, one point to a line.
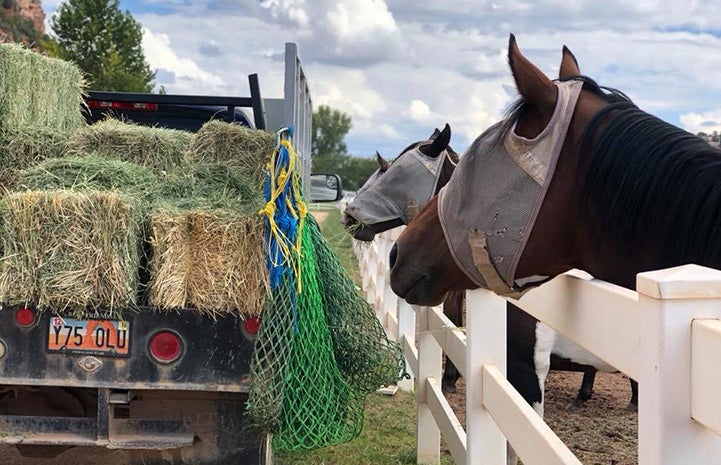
393 194
502 222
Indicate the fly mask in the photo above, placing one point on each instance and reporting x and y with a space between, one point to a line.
490 205
410 181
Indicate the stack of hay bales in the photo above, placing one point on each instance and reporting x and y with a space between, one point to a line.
40 104
208 243
115 215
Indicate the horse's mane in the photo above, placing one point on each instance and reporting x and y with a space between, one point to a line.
642 180
520 106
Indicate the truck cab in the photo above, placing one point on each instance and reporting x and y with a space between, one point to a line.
163 387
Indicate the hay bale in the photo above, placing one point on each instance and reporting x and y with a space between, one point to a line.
66 250
158 148
207 243
21 148
212 261
243 149
37 91
91 173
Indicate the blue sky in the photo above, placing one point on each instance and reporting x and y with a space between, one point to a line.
402 67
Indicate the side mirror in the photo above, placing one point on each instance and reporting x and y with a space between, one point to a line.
325 188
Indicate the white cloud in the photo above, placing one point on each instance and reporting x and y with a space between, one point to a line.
707 122
189 77
419 111
348 32
350 92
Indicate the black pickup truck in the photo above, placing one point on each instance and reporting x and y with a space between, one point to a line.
167 387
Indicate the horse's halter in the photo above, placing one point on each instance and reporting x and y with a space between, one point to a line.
398 193
489 207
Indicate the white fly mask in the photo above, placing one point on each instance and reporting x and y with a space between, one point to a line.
411 180
490 205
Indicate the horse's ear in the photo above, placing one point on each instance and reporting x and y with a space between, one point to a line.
439 144
384 165
532 84
569 65
435 134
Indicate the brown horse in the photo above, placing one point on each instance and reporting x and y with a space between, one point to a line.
626 187
378 206
629 193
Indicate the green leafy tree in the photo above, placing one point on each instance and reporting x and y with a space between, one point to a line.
105 43
330 127
356 170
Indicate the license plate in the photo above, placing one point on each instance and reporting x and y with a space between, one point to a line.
108 338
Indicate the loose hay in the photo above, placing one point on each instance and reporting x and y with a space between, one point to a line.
37 91
243 149
91 173
21 148
66 250
212 261
211 186
158 148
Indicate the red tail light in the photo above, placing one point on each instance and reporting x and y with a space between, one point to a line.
25 317
122 105
252 325
165 346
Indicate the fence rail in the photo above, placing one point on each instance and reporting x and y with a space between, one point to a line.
666 335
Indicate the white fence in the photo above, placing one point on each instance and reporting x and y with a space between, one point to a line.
666 335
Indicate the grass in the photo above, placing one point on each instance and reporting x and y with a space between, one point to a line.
339 241
389 434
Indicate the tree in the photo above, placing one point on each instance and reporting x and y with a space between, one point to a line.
105 43
356 171
329 129
329 152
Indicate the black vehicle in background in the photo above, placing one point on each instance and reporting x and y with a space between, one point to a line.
186 112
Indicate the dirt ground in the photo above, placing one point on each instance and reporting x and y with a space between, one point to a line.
604 433
319 215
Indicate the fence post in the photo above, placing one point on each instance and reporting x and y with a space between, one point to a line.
669 301
406 326
430 355
382 277
485 344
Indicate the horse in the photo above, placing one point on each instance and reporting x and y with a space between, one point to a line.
615 189
391 196
387 200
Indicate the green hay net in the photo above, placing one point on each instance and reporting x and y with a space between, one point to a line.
320 349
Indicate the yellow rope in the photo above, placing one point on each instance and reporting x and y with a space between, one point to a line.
278 183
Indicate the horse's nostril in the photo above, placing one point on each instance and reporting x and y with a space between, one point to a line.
393 255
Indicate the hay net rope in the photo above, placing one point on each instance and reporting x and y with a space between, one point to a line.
320 349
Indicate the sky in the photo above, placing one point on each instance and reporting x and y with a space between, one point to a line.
400 68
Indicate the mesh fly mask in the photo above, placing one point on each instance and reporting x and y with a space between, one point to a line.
410 181
490 205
